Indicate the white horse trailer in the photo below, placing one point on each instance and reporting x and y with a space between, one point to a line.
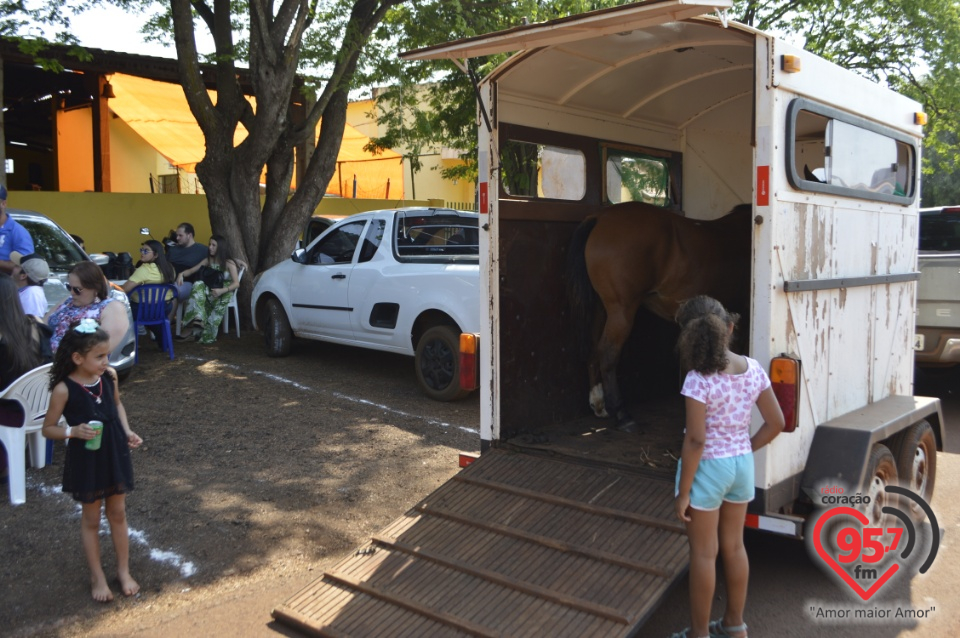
565 525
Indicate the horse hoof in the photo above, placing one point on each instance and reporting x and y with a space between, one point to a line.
629 426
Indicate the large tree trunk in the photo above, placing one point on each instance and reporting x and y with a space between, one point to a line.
262 234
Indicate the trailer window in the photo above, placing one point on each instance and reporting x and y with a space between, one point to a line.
541 171
833 152
631 176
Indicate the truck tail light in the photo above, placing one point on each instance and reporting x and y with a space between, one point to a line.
469 363
785 378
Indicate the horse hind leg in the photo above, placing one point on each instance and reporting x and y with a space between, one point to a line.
597 403
607 358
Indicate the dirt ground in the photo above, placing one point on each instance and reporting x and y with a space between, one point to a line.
255 474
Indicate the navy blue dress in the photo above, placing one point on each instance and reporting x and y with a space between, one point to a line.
91 475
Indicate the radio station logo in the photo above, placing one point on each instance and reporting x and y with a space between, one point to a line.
866 552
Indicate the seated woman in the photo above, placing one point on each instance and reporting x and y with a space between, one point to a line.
208 303
21 350
154 269
89 297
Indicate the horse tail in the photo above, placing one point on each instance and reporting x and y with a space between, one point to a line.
581 296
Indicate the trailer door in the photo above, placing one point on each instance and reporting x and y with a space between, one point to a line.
514 545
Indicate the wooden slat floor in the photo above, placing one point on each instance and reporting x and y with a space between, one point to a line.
514 545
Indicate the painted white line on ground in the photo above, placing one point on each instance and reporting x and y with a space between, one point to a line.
340 395
187 568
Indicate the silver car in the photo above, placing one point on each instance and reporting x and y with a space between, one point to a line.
56 246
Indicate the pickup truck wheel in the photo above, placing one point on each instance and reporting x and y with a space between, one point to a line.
881 472
277 334
916 452
438 364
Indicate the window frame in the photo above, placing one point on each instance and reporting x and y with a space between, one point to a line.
798 182
673 160
544 145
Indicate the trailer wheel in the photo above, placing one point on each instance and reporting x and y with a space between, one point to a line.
881 472
438 364
916 452
277 334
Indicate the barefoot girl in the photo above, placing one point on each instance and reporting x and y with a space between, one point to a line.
82 393
715 476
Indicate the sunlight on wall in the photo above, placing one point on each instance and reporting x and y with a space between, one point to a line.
75 149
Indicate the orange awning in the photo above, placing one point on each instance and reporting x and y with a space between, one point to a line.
159 113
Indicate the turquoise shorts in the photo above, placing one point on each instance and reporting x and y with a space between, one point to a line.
728 479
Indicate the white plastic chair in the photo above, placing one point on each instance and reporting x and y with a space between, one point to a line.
32 392
234 305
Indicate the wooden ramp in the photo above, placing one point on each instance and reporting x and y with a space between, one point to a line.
514 545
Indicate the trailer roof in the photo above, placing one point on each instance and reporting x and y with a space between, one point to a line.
612 20
661 62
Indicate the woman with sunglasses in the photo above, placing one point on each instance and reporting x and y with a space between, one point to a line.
89 297
153 269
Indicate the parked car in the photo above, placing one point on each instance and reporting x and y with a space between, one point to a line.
62 253
314 228
403 280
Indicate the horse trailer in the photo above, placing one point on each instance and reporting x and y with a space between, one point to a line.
564 525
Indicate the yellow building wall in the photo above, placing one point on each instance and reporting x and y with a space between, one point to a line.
361 114
112 221
132 160
75 149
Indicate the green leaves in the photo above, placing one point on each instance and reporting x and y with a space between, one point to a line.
913 46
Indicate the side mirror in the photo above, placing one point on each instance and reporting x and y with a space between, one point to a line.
99 259
298 255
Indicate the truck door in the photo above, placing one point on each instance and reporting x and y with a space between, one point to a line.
319 289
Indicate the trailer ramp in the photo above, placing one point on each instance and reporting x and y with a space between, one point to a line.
514 545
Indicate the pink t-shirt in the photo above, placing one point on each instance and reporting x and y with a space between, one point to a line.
729 399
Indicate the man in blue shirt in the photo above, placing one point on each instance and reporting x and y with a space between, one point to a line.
14 238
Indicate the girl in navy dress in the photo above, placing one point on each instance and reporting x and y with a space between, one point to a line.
84 389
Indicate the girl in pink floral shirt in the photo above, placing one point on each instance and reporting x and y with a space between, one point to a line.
715 476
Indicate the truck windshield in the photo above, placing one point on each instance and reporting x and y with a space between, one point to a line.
59 251
940 231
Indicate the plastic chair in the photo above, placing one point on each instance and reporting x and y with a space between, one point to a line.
152 311
234 304
32 392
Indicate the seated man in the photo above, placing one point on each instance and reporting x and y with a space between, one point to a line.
185 255
29 274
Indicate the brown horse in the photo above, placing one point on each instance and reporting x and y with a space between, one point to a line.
636 255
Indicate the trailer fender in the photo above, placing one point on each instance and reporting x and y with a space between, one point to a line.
841 446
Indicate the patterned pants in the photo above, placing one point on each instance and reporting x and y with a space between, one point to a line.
206 310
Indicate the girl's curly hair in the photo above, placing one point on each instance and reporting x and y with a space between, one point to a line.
73 341
704 334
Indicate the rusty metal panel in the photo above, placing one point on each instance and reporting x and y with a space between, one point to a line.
515 544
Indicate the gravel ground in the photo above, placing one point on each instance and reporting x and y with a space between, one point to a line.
255 474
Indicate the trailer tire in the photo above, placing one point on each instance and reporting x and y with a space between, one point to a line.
437 363
881 472
916 452
277 335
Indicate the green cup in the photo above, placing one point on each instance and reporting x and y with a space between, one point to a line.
94 443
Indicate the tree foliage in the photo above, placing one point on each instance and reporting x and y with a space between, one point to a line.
910 45
449 118
310 52
913 46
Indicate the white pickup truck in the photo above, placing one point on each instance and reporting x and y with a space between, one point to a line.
937 340
403 280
